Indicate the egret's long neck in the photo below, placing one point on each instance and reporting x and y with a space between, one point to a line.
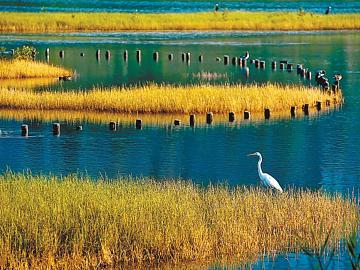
259 166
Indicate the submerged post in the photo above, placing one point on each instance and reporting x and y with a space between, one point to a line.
273 65
282 66
156 56
56 129
231 116
262 64
138 55
289 67
62 54
126 55
192 120
209 117
98 54
308 75
246 115
267 113
47 52
138 124
107 54
177 122
226 59
318 105
188 57
234 60
201 58
171 57
306 109
24 130
112 125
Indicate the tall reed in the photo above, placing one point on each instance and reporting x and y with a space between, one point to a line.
170 99
77 223
258 21
17 69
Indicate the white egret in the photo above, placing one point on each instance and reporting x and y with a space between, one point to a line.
265 178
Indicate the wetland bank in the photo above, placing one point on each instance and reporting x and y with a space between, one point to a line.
205 154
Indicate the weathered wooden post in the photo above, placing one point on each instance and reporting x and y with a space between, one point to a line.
234 60
299 68
267 113
306 109
226 59
209 117
246 115
24 130
289 67
273 65
98 54
231 116
138 55
293 111
156 56
240 62
183 57
107 55
282 66
308 75
171 57
82 54
56 129
327 102
201 58
126 55
138 124
192 120
318 105
79 127
47 52
262 64
257 63
188 57
177 122
62 54
303 72
244 62
112 125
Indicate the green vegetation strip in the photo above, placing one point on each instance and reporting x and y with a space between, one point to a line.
258 21
79 223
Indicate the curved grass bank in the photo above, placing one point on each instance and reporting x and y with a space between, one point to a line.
19 69
75 223
258 21
170 99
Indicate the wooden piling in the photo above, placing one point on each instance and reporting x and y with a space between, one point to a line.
201 58
107 54
98 54
231 116
334 88
56 129
234 60
240 62
305 109
82 54
293 111
327 102
126 55
112 125
257 63
138 55
177 122
24 130
308 75
267 113
289 67
318 105
299 68
188 57
282 66
226 59
171 57
62 54
244 63
209 117
273 65
192 120
156 56
138 124
47 52
303 72
246 115
183 57
79 128
262 64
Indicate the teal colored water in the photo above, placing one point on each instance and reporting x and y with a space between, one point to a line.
176 6
318 152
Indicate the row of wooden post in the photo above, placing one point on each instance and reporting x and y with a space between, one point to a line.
192 119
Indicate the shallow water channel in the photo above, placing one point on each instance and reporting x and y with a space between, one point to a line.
320 151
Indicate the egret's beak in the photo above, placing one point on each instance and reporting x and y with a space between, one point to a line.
253 154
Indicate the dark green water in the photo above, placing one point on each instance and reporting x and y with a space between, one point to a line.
309 152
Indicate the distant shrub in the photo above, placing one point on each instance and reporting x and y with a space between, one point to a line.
25 53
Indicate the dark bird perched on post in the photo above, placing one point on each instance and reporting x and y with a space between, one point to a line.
321 80
246 56
216 8
328 10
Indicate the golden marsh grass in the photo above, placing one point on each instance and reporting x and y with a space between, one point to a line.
260 21
18 69
170 99
77 223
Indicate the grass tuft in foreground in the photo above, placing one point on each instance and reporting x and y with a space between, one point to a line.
170 99
18 69
258 21
78 223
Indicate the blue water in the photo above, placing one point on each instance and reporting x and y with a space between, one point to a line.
159 6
